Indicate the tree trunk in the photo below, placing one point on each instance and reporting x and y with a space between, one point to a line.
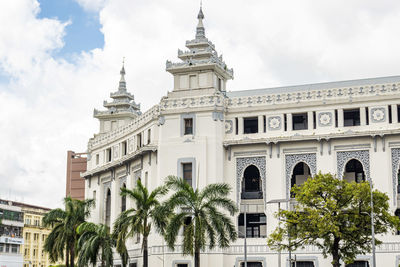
67 257
72 256
145 252
335 253
196 257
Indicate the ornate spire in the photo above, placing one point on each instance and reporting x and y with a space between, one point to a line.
122 82
200 31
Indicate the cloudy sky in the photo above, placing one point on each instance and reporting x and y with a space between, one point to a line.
60 59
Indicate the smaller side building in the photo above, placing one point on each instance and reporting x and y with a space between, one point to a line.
11 234
76 163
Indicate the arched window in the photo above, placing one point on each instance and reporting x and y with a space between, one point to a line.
251 184
301 172
123 200
108 207
354 171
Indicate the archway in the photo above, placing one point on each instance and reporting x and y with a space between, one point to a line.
123 200
301 172
108 207
251 183
354 171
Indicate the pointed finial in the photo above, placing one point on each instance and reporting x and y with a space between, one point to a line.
200 31
122 83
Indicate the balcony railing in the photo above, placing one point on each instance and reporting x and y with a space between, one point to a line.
252 195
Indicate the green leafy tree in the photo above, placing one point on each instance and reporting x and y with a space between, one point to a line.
203 216
147 212
63 237
95 244
333 215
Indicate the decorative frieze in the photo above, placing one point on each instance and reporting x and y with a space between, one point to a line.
378 114
292 160
325 119
274 123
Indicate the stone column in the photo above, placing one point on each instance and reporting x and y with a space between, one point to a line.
340 118
310 120
363 116
240 122
260 124
289 122
395 116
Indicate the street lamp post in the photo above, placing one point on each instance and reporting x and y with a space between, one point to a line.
372 227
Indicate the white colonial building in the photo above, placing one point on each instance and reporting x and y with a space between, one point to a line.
261 142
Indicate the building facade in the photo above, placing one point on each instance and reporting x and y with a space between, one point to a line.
75 186
11 236
261 142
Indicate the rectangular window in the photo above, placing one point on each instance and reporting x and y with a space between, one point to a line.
253 264
219 84
97 159
108 154
336 118
139 140
187 172
265 123
398 113
14 248
148 136
300 121
285 122
182 265
236 126
303 264
366 116
94 195
146 178
124 148
358 264
250 125
314 120
390 113
256 225
351 117
188 123
133 264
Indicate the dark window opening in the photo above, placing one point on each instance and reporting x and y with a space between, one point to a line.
398 113
351 117
124 150
108 154
366 116
250 125
256 225
390 113
236 126
251 184
219 84
182 265
139 140
397 213
300 121
300 174
303 264
314 120
148 136
108 207
398 181
123 201
336 118
187 173
358 264
285 122
354 171
188 126
265 123
133 264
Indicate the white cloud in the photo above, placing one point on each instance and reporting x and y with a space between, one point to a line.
47 105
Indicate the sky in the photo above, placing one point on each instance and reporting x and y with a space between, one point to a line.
60 59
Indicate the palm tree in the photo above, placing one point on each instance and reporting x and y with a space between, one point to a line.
63 236
95 240
202 215
139 220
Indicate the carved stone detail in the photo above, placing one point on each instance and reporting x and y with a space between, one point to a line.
345 156
274 123
325 119
395 169
292 160
241 165
228 126
378 114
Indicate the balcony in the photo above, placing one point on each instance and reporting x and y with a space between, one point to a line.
252 195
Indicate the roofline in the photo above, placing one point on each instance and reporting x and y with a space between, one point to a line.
24 205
